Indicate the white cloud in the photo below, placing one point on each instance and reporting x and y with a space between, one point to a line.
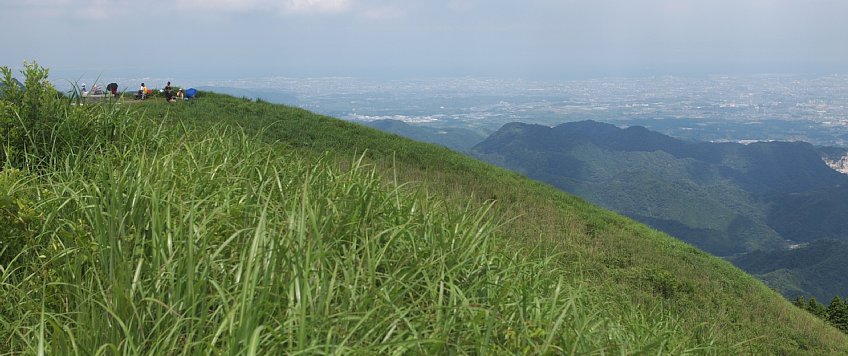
222 5
284 6
105 8
317 5
46 2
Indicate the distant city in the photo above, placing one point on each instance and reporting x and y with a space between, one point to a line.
716 108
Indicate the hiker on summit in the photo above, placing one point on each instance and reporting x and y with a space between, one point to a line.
142 92
169 92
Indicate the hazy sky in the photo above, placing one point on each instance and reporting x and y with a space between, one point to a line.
225 39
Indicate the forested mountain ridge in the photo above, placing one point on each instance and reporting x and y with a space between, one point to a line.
760 167
817 269
726 198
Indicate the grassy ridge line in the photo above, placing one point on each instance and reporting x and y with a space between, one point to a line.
123 232
621 258
173 239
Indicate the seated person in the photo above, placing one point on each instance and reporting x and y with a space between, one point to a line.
180 94
112 88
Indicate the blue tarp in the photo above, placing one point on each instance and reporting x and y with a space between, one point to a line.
190 93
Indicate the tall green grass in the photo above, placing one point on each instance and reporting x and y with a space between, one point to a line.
182 242
625 263
226 226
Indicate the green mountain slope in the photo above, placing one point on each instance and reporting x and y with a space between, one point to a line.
809 216
817 269
224 225
724 198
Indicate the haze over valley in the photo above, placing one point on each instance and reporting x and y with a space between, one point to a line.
717 108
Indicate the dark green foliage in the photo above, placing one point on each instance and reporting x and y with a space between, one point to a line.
816 269
37 124
18 217
800 302
816 308
837 314
809 216
666 284
26 114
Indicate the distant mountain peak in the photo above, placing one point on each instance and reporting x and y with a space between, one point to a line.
710 194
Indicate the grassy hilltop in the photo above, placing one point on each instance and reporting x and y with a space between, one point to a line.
223 225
